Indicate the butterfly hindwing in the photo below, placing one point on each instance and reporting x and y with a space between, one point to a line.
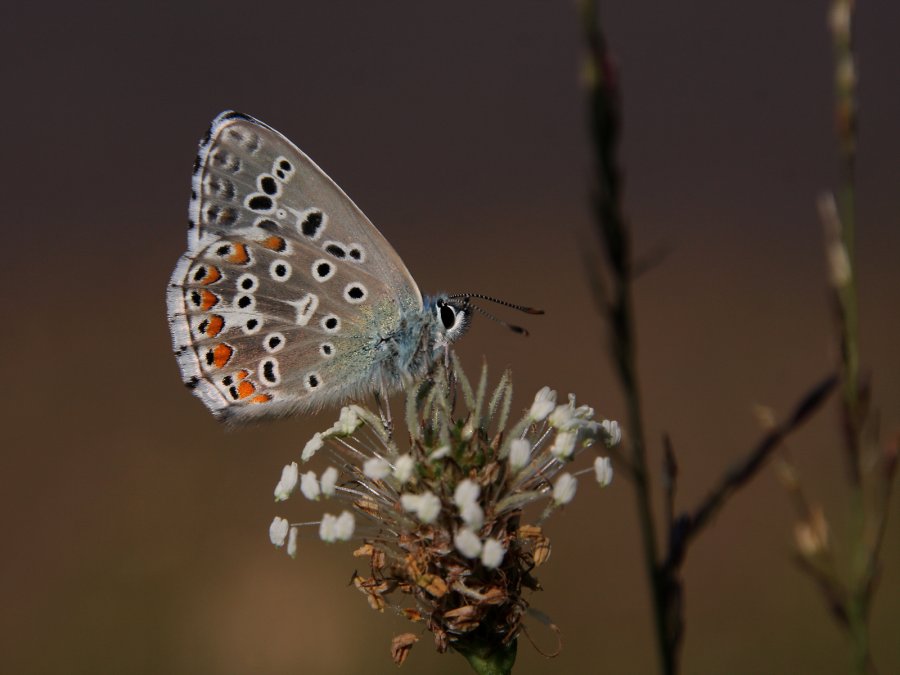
285 281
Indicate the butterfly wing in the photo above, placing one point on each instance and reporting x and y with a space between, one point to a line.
285 284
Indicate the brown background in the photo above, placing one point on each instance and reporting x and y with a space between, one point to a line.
135 528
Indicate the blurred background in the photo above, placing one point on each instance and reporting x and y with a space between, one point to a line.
135 526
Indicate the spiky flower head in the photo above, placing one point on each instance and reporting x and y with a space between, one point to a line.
439 516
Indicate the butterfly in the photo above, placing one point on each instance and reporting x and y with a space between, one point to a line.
288 298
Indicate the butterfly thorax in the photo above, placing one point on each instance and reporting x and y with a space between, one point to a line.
399 351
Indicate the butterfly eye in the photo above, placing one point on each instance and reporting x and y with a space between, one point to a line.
448 315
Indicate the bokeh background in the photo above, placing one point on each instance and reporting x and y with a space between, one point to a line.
134 527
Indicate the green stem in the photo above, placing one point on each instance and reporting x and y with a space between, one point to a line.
490 659
665 638
614 232
860 587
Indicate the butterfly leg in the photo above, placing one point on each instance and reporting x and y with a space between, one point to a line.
384 409
450 374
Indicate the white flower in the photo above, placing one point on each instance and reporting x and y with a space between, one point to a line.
345 526
472 514
564 490
519 454
561 416
327 528
467 492
440 453
347 423
564 444
337 528
292 542
604 470
840 270
403 468
544 402
613 432
426 506
328 481
287 483
839 16
567 417
492 553
278 530
467 543
312 447
309 486
376 468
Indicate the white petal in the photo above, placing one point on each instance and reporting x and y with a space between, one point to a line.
328 528
492 553
561 416
519 454
613 432
467 543
564 490
292 542
309 486
376 468
426 506
544 402
328 481
287 483
440 453
278 530
430 508
403 468
564 444
410 502
604 471
472 515
312 447
344 526
582 412
347 423
467 492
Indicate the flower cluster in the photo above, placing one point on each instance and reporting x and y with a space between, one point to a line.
440 521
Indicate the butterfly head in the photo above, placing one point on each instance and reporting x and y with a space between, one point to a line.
452 316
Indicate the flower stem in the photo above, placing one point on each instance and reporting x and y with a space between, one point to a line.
490 658
604 120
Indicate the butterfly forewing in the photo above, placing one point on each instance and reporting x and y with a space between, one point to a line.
285 281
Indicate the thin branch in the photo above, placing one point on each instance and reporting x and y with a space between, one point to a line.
743 470
604 119
670 480
835 595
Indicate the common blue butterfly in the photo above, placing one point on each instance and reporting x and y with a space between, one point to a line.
288 298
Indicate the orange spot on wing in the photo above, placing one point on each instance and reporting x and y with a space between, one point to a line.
274 243
215 325
245 389
208 300
241 374
212 276
239 255
222 354
262 398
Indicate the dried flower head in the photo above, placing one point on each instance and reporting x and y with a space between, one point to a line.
440 520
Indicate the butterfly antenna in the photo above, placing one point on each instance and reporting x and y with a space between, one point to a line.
521 308
513 328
